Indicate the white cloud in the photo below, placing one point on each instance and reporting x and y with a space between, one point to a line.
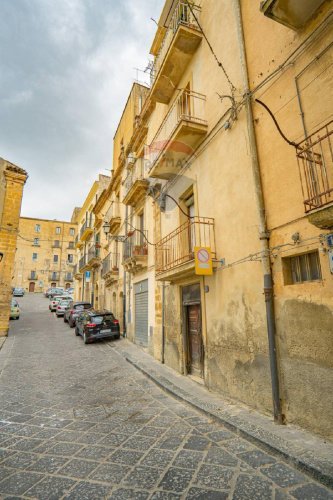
68 74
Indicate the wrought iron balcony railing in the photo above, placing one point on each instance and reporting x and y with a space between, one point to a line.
32 276
110 264
54 276
177 248
182 16
315 161
88 225
189 109
82 262
136 245
94 252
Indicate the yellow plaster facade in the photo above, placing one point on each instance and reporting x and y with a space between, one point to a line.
12 180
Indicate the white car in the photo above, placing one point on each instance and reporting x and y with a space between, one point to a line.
62 306
56 299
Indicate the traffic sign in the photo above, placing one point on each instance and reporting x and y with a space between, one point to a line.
203 261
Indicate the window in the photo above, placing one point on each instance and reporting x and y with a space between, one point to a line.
301 268
72 231
34 256
33 275
70 258
37 228
58 230
36 241
56 243
71 244
55 258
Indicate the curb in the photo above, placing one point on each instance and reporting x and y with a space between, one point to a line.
263 441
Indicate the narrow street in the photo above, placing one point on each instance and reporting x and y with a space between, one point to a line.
79 422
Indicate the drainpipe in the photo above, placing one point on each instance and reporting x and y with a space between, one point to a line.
163 322
263 233
124 282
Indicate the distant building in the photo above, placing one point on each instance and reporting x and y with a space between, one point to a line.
12 180
88 245
45 254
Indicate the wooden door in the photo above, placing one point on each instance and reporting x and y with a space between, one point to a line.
195 347
32 286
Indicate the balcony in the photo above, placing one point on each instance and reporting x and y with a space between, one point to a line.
94 259
113 217
76 273
32 276
135 256
82 263
180 42
86 230
175 252
315 162
110 268
54 276
77 242
56 244
182 130
135 186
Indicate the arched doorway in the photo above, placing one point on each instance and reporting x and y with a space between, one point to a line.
68 285
53 285
32 286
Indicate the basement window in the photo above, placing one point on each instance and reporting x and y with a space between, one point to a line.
301 268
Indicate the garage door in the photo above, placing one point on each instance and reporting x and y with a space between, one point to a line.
141 313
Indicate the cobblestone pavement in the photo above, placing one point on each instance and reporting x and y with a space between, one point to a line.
78 422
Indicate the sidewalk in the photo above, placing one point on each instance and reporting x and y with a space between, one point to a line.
307 452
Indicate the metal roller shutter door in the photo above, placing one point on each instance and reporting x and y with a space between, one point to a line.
141 314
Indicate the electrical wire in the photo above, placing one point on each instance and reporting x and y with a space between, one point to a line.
291 143
232 87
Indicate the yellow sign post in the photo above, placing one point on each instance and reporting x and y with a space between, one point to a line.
203 261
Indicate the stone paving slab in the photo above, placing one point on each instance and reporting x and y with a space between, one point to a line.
79 422
304 450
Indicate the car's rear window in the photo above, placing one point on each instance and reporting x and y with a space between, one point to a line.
99 319
80 307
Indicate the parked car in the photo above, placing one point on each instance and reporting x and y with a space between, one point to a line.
93 325
61 307
56 291
70 291
74 309
57 298
18 292
14 310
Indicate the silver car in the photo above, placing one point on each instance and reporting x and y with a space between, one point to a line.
61 307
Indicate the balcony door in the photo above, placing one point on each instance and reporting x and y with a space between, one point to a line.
184 104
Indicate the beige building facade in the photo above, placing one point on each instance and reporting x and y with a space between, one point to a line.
201 164
89 247
12 181
45 255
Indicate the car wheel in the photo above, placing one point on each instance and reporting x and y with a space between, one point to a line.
85 338
18 317
76 331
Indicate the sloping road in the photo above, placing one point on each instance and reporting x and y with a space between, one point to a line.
78 422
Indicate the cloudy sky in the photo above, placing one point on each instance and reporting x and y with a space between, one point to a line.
66 68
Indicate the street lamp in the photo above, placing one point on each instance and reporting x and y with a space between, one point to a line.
106 228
